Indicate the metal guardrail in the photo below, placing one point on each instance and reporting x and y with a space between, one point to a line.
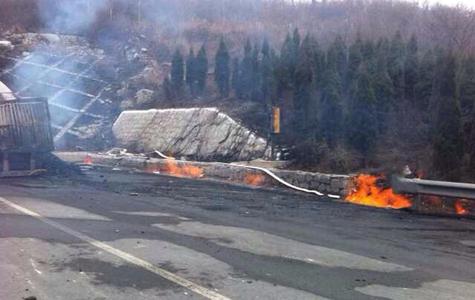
430 187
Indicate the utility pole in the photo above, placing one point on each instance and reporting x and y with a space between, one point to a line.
111 9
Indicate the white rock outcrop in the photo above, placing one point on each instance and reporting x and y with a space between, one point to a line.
199 133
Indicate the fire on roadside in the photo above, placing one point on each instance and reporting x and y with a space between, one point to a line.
460 207
174 168
366 191
87 160
254 179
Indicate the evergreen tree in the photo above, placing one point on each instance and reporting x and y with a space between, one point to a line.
318 64
331 111
424 85
256 92
190 77
362 128
396 60
467 86
354 61
296 39
288 61
383 90
201 69
370 57
235 77
303 94
411 67
267 72
338 50
177 71
246 72
448 140
222 69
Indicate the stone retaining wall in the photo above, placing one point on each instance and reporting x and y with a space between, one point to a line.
324 183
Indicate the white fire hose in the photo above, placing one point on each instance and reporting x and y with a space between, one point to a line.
269 173
280 180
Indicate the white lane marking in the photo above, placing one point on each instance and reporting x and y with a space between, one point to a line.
34 267
151 214
263 243
470 243
212 295
442 289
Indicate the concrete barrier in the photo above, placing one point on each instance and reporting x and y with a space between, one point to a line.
328 184
324 183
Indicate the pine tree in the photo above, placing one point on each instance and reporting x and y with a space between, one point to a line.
256 93
288 62
355 58
201 69
177 71
383 90
396 60
222 69
362 127
296 39
338 49
246 72
425 82
370 57
303 92
467 86
319 61
331 111
190 77
448 139
235 77
411 67
267 72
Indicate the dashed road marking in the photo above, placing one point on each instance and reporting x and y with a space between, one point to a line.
212 295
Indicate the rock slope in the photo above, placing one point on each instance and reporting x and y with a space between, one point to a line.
198 133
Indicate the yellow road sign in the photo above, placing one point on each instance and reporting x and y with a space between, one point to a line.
276 119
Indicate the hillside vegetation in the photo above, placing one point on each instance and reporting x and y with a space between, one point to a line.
361 84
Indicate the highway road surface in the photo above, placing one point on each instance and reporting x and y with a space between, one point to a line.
118 235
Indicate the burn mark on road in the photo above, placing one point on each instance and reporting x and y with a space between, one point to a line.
120 276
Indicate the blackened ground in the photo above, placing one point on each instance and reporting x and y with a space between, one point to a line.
240 242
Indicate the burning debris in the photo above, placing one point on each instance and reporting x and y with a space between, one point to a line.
254 179
182 169
367 190
175 168
88 160
460 206
444 205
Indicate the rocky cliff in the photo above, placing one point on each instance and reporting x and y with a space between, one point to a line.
199 133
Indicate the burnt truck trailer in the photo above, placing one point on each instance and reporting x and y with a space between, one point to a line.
25 134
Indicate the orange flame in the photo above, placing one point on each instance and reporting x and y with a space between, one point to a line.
87 160
367 192
460 207
182 169
254 179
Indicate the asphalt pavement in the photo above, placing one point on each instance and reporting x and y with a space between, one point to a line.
120 235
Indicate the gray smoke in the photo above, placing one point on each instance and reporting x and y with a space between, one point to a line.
69 15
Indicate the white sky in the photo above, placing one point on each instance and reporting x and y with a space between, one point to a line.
467 3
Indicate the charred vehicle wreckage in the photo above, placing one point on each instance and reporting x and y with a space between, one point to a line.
25 134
